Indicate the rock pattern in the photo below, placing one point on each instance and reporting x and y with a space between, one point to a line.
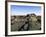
25 23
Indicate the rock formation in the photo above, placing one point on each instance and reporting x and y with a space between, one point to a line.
25 23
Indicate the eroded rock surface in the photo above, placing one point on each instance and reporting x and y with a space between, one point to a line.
25 23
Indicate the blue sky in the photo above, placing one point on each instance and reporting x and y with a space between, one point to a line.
23 10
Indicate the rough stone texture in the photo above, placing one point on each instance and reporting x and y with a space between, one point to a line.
25 23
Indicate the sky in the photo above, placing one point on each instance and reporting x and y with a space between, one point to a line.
24 10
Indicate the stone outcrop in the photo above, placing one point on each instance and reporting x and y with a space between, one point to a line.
24 23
